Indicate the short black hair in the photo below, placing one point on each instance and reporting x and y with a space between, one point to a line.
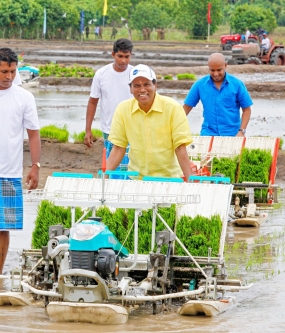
123 45
8 55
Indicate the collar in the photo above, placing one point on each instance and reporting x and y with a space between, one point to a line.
156 105
226 79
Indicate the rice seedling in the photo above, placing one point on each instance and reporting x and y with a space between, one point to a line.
79 137
186 76
59 133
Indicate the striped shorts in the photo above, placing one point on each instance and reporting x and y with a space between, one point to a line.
11 203
123 166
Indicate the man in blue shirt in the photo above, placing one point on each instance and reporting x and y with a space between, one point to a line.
222 96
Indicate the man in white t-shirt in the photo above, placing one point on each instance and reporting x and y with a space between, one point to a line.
247 34
265 43
110 86
17 112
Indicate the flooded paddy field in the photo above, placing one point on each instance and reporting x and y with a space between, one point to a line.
62 107
255 255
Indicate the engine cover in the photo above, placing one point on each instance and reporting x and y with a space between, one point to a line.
106 263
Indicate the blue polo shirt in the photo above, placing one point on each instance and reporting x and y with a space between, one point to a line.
221 107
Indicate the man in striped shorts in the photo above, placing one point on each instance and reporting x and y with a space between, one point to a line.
17 112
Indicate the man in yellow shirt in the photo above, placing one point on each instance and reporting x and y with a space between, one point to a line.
156 128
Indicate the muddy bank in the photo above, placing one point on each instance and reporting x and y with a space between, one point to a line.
65 157
71 157
104 45
267 89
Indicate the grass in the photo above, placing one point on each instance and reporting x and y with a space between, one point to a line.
168 77
79 137
60 134
186 76
170 34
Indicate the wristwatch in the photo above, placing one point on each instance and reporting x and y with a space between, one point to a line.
242 130
37 164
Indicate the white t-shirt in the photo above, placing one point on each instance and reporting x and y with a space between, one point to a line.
17 79
247 34
17 112
265 43
111 88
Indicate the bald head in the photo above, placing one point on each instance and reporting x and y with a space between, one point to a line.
217 58
217 67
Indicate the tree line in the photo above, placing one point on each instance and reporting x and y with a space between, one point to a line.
24 18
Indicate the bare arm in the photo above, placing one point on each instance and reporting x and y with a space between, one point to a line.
115 157
35 149
90 113
246 112
187 109
183 160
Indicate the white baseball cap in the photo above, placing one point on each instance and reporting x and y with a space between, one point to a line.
142 71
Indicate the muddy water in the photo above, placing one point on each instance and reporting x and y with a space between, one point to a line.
54 107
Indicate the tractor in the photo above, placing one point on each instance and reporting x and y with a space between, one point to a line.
228 41
252 54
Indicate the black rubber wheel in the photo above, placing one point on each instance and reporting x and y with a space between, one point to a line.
278 57
232 62
228 47
253 61
252 40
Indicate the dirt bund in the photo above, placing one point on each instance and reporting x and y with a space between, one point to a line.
77 158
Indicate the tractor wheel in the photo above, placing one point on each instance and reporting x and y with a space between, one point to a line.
228 47
252 40
232 62
278 57
253 61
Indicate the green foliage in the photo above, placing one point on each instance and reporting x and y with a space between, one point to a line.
49 214
255 165
60 134
186 76
277 6
198 234
281 19
62 71
115 9
252 17
148 14
192 16
79 137
19 13
226 166
168 77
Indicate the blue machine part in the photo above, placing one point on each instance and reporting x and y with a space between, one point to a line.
91 235
32 69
